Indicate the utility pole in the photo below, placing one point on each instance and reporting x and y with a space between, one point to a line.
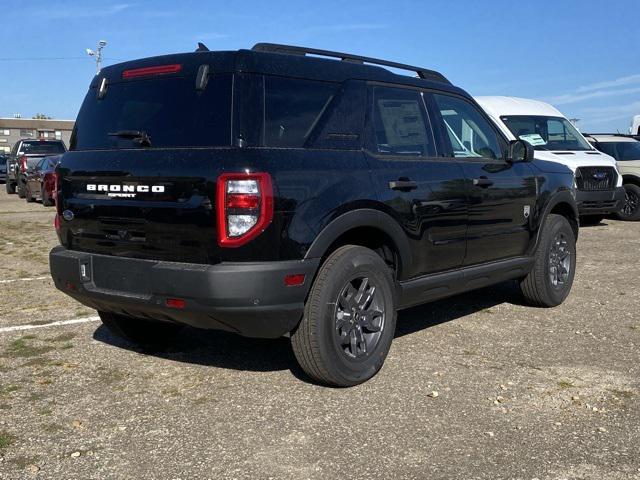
97 54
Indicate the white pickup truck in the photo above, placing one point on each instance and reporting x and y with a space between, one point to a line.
598 182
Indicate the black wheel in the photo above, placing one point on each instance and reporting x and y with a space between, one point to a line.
349 320
630 210
143 332
22 189
46 200
591 220
550 280
10 187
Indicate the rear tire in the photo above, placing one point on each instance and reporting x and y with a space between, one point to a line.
22 191
630 210
349 319
591 220
10 187
550 280
46 200
143 332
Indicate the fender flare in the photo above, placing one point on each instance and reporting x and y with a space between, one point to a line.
363 217
564 196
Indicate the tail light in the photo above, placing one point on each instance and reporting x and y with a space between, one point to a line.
22 161
244 203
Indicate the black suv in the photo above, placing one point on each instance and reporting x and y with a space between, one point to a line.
269 192
25 155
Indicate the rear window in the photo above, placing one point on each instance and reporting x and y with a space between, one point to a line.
41 148
170 111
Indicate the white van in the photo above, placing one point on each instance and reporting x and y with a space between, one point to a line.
634 129
598 182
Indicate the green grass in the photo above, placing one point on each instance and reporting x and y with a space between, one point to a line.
6 439
564 384
63 337
22 348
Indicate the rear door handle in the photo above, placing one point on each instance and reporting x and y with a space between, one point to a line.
403 185
482 182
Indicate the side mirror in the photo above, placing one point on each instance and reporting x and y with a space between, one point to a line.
520 151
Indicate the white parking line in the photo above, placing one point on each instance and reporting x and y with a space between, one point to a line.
24 279
16 328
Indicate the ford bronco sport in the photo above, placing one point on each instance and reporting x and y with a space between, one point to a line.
272 192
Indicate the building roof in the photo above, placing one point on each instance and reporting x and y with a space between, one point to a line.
33 123
503 106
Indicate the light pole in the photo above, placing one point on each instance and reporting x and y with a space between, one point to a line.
97 54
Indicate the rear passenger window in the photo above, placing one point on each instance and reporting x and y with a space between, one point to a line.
293 109
467 130
400 123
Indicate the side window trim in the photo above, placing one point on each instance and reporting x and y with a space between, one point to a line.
370 136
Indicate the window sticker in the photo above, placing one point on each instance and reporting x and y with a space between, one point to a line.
534 139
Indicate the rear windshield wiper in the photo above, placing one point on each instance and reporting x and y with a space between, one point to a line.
137 136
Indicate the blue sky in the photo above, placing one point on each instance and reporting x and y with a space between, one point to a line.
581 56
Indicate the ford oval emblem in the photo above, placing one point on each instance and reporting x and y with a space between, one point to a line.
68 215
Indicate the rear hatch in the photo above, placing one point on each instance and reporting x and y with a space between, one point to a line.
147 147
35 150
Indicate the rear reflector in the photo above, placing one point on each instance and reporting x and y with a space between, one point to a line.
294 280
175 303
152 71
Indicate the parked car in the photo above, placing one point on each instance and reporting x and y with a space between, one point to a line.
626 150
40 181
598 183
3 168
24 156
271 192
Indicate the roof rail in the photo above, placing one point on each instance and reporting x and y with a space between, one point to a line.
347 57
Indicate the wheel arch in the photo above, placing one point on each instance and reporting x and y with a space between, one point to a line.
368 228
634 179
561 203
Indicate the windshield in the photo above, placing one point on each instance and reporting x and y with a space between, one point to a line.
546 133
621 151
41 148
156 113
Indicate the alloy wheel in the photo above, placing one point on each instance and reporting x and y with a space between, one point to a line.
359 318
559 260
631 203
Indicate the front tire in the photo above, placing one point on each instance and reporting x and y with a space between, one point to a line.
143 332
549 282
349 319
630 210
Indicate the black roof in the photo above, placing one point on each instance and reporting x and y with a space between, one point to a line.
291 61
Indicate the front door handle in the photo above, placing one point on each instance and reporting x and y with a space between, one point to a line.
403 185
482 182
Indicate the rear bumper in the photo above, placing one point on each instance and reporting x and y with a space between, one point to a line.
247 298
599 203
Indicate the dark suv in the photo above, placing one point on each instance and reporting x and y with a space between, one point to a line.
268 192
24 157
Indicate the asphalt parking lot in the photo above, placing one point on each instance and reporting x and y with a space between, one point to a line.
521 393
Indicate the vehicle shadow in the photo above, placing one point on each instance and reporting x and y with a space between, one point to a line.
231 351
